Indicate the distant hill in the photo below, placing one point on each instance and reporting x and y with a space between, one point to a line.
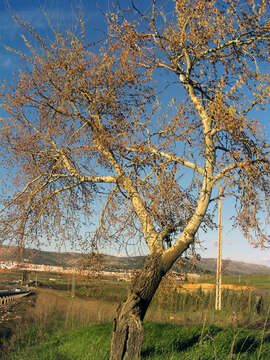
234 267
70 259
13 253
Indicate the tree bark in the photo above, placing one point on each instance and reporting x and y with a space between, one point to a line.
128 333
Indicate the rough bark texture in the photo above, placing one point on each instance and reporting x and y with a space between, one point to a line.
127 336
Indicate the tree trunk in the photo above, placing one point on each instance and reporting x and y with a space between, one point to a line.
127 335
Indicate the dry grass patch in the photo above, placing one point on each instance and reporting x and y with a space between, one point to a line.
73 311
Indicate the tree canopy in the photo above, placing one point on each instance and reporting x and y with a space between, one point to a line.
88 124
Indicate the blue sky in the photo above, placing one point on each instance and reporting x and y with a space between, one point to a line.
62 13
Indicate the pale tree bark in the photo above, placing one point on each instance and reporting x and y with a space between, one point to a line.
127 336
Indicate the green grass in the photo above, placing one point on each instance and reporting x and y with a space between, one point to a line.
162 341
83 343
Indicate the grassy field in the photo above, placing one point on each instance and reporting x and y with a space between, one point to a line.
162 341
169 303
178 325
261 282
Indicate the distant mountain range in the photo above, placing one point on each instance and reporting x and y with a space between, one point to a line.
70 259
234 267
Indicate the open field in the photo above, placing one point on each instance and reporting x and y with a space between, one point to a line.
179 325
179 301
162 341
259 281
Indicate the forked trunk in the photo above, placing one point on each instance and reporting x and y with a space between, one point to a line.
127 335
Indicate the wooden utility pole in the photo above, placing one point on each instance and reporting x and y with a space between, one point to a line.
73 284
219 254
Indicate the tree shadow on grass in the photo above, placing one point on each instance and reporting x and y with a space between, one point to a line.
177 345
248 343
169 338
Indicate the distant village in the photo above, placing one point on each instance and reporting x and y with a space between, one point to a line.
14 265
120 274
